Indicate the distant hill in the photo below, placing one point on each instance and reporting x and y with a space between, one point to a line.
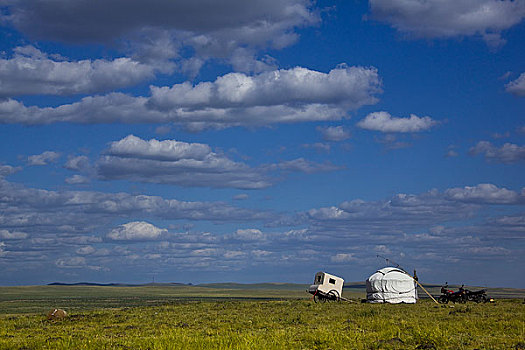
353 289
114 284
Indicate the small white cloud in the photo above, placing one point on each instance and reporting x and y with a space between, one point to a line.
241 197
205 252
334 133
305 166
508 153
260 253
342 258
77 180
517 87
483 193
300 234
249 234
71 263
234 254
329 213
78 163
136 231
451 153
5 234
168 150
152 256
85 250
43 159
384 122
6 170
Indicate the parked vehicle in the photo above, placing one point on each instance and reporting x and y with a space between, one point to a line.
477 296
326 287
463 295
448 295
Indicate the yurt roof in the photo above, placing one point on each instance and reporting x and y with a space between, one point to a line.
388 269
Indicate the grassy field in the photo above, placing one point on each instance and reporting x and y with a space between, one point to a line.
233 317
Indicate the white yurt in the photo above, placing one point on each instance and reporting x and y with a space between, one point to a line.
391 285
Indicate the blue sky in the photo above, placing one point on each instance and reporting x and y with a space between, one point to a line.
194 141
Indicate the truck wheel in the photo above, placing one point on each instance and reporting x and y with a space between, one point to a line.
334 295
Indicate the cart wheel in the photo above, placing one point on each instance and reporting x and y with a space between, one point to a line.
334 295
317 298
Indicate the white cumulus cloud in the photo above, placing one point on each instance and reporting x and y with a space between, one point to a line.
6 234
136 231
346 86
508 153
168 150
334 133
235 99
76 262
249 234
86 250
44 158
384 122
484 193
176 162
30 72
6 170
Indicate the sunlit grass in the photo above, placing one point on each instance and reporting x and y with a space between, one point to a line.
273 324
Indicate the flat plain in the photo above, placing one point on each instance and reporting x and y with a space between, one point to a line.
265 316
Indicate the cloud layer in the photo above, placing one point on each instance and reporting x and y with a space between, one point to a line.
77 231
163 30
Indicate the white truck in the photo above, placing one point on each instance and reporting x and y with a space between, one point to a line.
326 287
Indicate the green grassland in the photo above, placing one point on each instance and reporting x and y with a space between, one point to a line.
227 316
